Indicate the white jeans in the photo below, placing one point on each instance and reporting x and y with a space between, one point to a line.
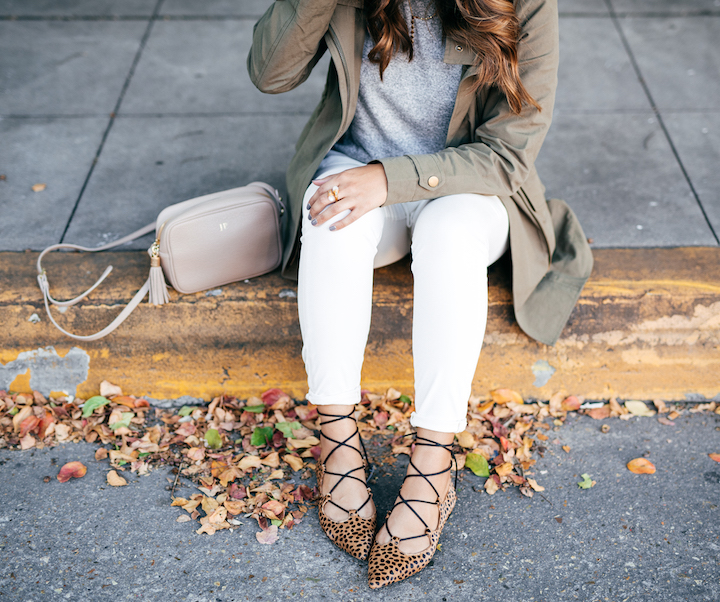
453 240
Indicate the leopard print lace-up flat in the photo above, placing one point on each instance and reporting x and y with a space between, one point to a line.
388 563
355 534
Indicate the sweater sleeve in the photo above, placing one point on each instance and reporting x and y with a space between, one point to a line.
287 43
504 145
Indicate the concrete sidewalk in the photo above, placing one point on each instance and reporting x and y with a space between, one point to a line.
124 107
121 108
630 538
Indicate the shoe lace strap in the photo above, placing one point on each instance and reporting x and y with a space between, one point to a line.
338 445
407 502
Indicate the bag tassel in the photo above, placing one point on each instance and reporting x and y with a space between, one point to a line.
158 288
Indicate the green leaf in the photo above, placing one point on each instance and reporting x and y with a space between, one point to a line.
143 454
185 411
121 462
125 419
93 403
262 435
478 464
405 399
286 428
587 482
276 522
254 409
13 411
213 439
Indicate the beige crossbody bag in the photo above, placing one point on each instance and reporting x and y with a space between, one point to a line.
200 244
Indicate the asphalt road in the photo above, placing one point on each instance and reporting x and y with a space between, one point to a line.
629 538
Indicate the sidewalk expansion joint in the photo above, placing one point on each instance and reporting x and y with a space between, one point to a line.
136 60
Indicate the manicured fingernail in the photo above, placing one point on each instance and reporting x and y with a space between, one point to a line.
308 207
332 227
314 222
309 216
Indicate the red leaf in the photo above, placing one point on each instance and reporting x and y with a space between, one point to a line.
498 429
237 492
46 421
571 404
381 419
302 493
315 451
28 425
271 396
278 439
71 470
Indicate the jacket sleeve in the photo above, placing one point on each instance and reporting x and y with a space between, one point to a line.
287 43
505 145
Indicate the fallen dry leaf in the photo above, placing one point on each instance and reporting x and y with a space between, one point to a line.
234 507
101 454
571 404
268 536
715 457
491 486
114 479
107 389
504 469
272 460
183 518
71 470
599 413
466 440
27 442
38 187
534 485
566 449
293 462
641 466
276 474
249 462
503 396
665 421
19 418
660 406
638 408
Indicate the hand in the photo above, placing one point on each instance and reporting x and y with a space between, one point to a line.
361 189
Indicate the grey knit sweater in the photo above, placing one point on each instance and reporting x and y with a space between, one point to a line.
409 111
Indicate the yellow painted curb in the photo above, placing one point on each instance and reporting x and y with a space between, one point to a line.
647 325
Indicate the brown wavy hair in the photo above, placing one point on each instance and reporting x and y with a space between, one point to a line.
488 27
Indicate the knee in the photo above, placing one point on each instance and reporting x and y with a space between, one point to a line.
449 229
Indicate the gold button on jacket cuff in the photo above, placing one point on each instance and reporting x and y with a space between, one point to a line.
433 181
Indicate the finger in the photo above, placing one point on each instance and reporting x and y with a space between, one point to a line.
322 200
320 206
346 221
321 195
329 213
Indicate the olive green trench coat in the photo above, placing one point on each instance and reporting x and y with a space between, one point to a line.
489 150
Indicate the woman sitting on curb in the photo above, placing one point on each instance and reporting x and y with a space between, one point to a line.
425 141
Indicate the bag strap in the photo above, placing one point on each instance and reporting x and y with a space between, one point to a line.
48 299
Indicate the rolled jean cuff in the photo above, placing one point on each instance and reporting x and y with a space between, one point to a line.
349 398
441 426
